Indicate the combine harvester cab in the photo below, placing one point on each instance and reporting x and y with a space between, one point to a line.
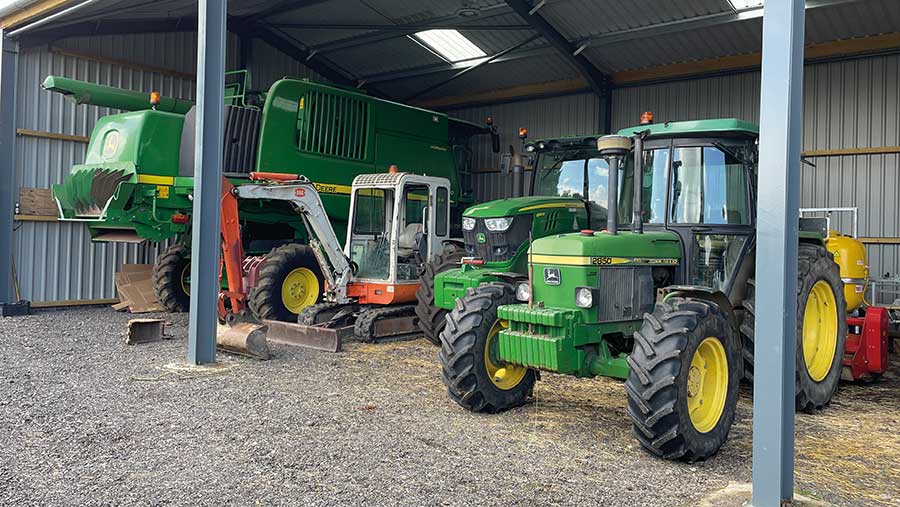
137 180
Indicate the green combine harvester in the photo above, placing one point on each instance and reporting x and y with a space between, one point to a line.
136 183
662 297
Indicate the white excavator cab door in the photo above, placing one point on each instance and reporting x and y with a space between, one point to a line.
423 223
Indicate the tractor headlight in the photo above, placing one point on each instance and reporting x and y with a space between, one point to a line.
498 224
468 223
523 292
584 297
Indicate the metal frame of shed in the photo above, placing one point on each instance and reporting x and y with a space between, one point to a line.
781 98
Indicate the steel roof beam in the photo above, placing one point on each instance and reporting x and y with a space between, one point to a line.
688 24
397 28
309 58
447 67
282 8
484 61
411 28
596 79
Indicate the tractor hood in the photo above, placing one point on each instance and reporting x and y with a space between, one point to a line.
520 205
601 248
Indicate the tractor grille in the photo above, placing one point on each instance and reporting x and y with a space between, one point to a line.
626 293
333 125
86 192
498 246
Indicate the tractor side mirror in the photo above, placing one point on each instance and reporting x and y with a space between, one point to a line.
495 141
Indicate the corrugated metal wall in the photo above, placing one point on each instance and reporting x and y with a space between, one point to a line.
56 261
848 104
552 117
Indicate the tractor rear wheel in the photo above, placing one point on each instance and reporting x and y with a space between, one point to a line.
432 319
172 279
475 377
821 328
289 281
682 387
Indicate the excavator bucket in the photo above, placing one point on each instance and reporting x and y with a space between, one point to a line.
315 337
245 338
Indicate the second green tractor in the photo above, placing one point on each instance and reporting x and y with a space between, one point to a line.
645 276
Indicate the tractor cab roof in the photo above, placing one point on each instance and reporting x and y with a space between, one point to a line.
719 126
725 127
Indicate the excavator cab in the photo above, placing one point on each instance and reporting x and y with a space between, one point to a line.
397 221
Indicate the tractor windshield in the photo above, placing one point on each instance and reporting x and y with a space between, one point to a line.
577 173
653 180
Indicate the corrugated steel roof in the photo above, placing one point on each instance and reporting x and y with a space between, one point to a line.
376 52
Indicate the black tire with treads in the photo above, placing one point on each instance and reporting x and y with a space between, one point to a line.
463 342
814 264
433 318
168 277
657 385
265 300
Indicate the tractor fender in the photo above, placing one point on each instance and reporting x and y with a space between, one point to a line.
705 293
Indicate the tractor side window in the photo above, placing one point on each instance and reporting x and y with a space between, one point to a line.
441 209
370 243
710 187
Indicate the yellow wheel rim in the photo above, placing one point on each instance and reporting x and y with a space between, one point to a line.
504 376
707 385
820 326
299 290
186 278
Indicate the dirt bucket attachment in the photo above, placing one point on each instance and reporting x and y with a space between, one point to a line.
318 337
244 338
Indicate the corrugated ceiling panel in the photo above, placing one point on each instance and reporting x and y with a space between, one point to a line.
581 18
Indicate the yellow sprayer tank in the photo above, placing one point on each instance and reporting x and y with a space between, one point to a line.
850 255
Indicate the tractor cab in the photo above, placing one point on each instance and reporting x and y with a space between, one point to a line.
661 295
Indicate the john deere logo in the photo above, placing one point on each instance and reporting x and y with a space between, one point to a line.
481 238
551 276
111 143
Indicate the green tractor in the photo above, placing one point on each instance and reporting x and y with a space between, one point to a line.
662 298
136 183
496 234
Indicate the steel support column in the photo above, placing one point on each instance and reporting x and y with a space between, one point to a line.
205 249
9 61
781 102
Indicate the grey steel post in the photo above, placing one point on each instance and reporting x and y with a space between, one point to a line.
205 248
781 101
9 61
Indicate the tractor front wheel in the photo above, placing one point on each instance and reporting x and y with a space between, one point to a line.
682 387
821 328
172 279
475 377
433 318
289 281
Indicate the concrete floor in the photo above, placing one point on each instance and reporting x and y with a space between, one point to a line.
88 420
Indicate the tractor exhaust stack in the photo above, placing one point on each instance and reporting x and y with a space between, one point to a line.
613 149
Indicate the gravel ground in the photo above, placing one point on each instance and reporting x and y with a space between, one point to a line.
87 420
